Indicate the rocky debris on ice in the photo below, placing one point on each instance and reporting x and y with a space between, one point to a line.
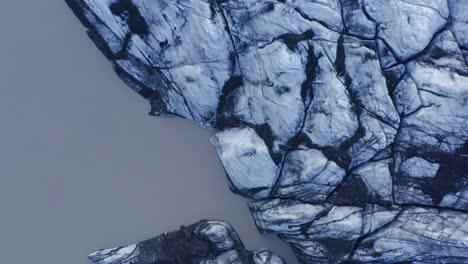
205 242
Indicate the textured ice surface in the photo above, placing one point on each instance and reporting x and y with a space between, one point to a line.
205 242
345 120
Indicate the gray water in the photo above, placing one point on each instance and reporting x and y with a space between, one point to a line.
82 166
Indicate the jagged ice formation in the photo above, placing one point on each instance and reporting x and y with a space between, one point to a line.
205 242
345 120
